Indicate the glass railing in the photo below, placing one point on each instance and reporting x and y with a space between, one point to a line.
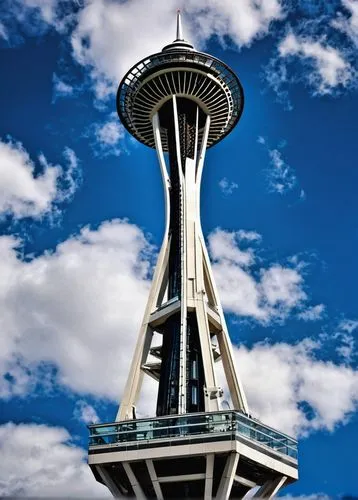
229 424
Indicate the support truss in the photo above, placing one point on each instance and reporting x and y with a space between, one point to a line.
197 297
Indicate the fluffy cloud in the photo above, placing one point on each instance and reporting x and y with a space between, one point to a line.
270 294
47 10
348 325
290 389
346 341
312 313
227 187
36 17
223 246
61 88
3 32
107 136
348 25
41 461
105 42
77 308
85 413
25 194
330 67
248 235
281 177
313 496
52 313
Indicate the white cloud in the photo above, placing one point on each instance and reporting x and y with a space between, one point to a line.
269 295
70 177
242 25
330 68
289 388
313 496
282 287
3 32
77 308
61 88
35 17
104 39
281 177
312 313
348 325
223 246
348 25
346 347
41 461
85 413
108 136
278 79
25 194
46 9
248 235
227 187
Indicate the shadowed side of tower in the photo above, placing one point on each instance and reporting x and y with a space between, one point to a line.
181 102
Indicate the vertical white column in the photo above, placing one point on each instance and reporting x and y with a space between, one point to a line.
135 375
209 474
228 476
211 391
183 266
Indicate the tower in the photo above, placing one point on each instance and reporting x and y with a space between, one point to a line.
182 102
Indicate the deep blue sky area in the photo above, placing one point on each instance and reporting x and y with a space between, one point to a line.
280 191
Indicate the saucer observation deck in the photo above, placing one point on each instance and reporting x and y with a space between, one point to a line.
181 71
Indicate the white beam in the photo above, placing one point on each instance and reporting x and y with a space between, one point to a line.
108 481
154 479
228 476
181 477
135 376
134 482
209 473
270 488
245 482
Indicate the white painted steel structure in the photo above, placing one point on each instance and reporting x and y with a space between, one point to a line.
182 102
198 293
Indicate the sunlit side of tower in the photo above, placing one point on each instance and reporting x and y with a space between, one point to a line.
182 102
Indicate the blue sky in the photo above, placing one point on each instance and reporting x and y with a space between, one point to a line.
81 214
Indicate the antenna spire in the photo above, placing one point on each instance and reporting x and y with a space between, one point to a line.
179 43
179 27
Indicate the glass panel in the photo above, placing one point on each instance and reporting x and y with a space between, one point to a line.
192 424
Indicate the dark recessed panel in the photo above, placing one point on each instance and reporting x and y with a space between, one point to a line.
189 489
180 466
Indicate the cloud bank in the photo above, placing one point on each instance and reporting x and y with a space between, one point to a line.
25 193
41 461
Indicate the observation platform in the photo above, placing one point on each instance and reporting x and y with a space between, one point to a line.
202 455
193 75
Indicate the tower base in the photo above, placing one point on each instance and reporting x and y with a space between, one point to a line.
209 455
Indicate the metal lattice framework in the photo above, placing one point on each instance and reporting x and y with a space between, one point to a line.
194 75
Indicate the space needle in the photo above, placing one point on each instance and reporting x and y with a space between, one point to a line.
181 102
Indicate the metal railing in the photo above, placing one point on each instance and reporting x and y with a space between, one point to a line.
229 423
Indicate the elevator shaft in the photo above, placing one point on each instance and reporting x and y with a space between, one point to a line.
189 117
